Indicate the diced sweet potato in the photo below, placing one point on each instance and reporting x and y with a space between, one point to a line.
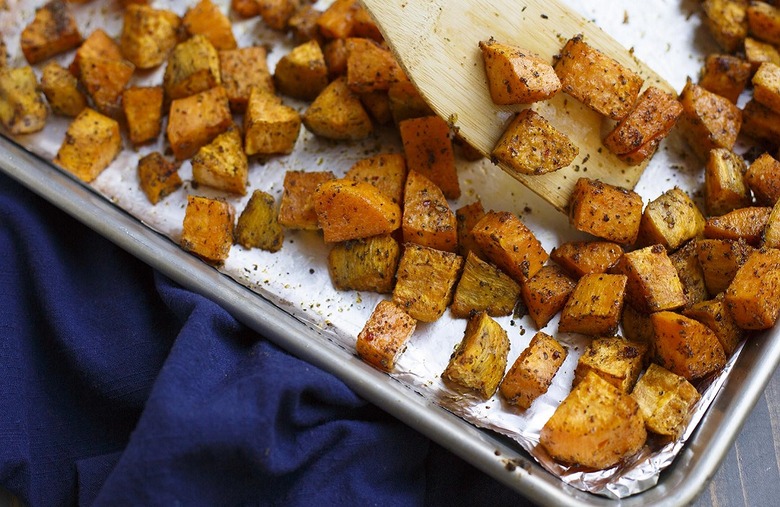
428 150
666 401
406 102
296 210
51 32
727 21
653 284
595 305
105 80
760 122
384 336
98 46
686 261
772 231
62 90
720 259
365 264
22 107
763 178
337 20
258 225
467 217
148 35
582 257
670 220
143 111
637 327
532 372
303 24
193 67
242 70
302 73
766 86
479 361
270 127
245 8
714 315
277 13
724 186
205 18
743 223
615 359
158 177
427 218
337 113
725 75
517 76
386 171
606 211
335 53
484 287
753 297
349 209
763 20
708 121
207 230
377 104
546 293
195 120
91 143
686 346
370 67
222 163
757 52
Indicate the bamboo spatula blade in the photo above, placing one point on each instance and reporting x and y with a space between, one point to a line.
436 43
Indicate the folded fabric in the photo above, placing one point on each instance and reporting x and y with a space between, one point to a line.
122 388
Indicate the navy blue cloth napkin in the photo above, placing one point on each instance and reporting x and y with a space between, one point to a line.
120 387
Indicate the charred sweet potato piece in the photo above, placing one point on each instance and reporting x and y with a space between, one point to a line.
483 287
753 297
686 346
158 177
427 218
349 209
365 264
51 32
258 225
370 67
760 122
22 107
686 261
61 90
727 21
532 372
384 336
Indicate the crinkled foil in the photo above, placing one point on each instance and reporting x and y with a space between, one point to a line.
663 33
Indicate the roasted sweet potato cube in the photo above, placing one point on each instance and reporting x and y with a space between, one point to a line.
427 218
467 217
531 145
245 8
302 73
651 118
277 13
428 150
195 120
22 107
670 220
105 80
708 121
51 32
205 18
720 259
98 46
727 22
517 76
425 281
615 359
406 102
596 426
61 90
378 106
484 287
363 25
193 67
713 314
686 261
365 264
531 374
337 20
370 67
508 243
644 152
760 122
258 224
763 20
724 186
666 401
349 209
757 52
91 143
753 297
685 346
637 327
479 361
582 257
595 305
546 293
772 231
335 53
596 79
143 111
743 223
207 230
222 163
725 75
766 86
384 336
158 177
386 171
270 127
148 35
606 211
763 178
337 113
241 70
303 25
296 210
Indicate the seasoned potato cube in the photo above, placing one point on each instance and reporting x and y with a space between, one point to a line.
724 186
277 13
428 150
270 127
98 46
105 80
753 297
370 67
670 220
22 107
725 75
193 67
349 209
61 90
720 259
51 32
406 102
258 225
425 281
596 79
766 86
195 120
384 336
483 287
427 218
302 73
757 52
245 8
582 257
143 111
303 25
337 113
714 315
365 264
205 18
727 21
336 21
595 426
595 305
241 70
148 35
531 145
685 346
607 211
637 327
763 178
546 293
516 76
686 261
772 231
763 21
158 176
207 230
532 372
296 210
386 171
222 163
666 401
743 223
508 243
378 106
467 217
479 361
91 143
708 121
363 25
615 359
335 53
760 122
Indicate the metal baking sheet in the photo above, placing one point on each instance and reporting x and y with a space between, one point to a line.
319 328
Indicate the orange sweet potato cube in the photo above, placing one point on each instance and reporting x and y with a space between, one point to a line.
207 230
517 76
370 67
243 69
725 75
719 260
763 20
582 257
670 220
302 73
686 346
595 305
653 283
205 18
724 185
727 22
148 35
158 176
143 111
546 293
296 210
746 223
270 127
714 314
427 217
336 21
753 297
760 122
763 178
62 90
91 143
222 163
757 52
195 120
766 86
532 372
708 121
384 336
428 150
606 211
349 209
51 32
386 171
367 264
193 67
338 114
467 217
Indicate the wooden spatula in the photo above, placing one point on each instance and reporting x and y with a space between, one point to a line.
436 42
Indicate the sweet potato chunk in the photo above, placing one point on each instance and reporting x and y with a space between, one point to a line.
428 150
653 283
760 122
546 293
484 287
743 223
763 20
195 120
427 218
714 314
763 178
370 67
406 102
666 401
753 297
91 143
582 257
22 107
686 261
208 228
61 90
772 231
148 35
158 176
222 163
725 75
205 18
708 121
302 73
757 52
193 67
242 70
296 210
615 359
517 76
727 21
337 113
349 209
143 111
270 127
51 32
277 13
384 336
766 86
467 217
105 80
595 305
365 264
686 346
720 259
607 211
670 220
337 20
532 372
386 171
258 225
